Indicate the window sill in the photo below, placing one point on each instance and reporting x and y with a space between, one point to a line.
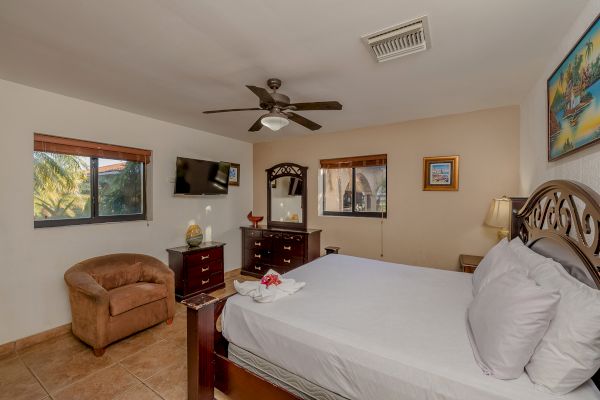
87 221
375 215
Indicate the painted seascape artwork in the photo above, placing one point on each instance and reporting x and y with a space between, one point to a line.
574 98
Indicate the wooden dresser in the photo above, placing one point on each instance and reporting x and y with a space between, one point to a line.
197 269
276 248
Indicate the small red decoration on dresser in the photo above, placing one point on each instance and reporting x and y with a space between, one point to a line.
254 219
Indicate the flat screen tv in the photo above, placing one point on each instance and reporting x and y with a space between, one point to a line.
197 177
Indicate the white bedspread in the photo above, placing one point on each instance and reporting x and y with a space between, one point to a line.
368 329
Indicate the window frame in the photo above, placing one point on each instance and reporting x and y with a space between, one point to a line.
93 150
353 213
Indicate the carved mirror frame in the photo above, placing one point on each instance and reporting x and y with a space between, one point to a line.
294 171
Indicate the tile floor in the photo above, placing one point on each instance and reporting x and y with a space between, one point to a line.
150 365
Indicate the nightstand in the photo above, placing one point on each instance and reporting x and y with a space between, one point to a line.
332 250
469 263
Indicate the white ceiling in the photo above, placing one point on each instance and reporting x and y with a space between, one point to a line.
171 59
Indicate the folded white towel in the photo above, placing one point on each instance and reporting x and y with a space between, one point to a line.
265 294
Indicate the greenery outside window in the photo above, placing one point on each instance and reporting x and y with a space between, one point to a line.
80 182
355 186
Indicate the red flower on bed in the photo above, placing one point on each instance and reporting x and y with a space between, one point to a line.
270 279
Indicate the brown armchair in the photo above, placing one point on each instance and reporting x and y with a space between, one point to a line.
116 295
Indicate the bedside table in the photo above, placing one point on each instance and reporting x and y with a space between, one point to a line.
469 263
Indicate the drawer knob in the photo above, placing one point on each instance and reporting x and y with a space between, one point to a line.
258 268
206 281
206 257
257 243
257 256
205 269
287 261
287 247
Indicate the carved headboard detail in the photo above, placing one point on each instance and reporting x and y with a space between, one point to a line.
565 216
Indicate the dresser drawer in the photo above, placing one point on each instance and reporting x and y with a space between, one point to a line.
257 255
258 243
204 257
287 262
272 235
288 248
293 237
253 234
203 270
203 282
257 268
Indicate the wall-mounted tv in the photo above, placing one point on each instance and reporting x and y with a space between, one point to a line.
197 177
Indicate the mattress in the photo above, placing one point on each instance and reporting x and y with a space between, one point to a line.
278 376
366 329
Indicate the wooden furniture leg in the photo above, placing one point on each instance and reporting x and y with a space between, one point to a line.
200 345
99 352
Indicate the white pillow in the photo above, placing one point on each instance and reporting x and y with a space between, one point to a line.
528 257
485 265
499 260
569 353
506 321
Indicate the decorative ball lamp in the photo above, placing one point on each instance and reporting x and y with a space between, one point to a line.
193 235
498 216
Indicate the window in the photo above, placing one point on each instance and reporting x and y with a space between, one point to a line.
80 182
355 186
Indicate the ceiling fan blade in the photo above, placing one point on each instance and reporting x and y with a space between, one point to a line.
299 119
317 105
231 109
263 95
257 126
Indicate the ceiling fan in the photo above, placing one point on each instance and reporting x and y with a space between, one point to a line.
281 111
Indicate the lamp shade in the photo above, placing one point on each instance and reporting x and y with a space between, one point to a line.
499 213
275 121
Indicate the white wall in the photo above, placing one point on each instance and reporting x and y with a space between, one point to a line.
33 296
583 166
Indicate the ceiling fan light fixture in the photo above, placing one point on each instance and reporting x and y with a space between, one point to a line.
275 121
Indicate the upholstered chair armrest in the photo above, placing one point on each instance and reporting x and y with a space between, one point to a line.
86 284
155 271
89 308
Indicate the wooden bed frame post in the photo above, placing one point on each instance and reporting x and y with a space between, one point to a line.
201 345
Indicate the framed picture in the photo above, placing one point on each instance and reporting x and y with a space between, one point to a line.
234 174
440 173
573 91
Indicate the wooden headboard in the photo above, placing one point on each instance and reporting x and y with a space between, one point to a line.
561 220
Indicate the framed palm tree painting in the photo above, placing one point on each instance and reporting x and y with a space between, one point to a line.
573 93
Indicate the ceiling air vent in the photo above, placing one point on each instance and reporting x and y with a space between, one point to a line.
399 40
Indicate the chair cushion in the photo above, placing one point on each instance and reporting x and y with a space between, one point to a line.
116 274
128 297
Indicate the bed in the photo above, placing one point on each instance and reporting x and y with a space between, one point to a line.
338 338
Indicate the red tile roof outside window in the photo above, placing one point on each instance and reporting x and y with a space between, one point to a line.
112 168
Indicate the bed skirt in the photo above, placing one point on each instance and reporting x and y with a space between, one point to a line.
279 376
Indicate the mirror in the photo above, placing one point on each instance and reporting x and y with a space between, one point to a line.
286 199
286 195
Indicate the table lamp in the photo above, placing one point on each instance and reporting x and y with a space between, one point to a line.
498 216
